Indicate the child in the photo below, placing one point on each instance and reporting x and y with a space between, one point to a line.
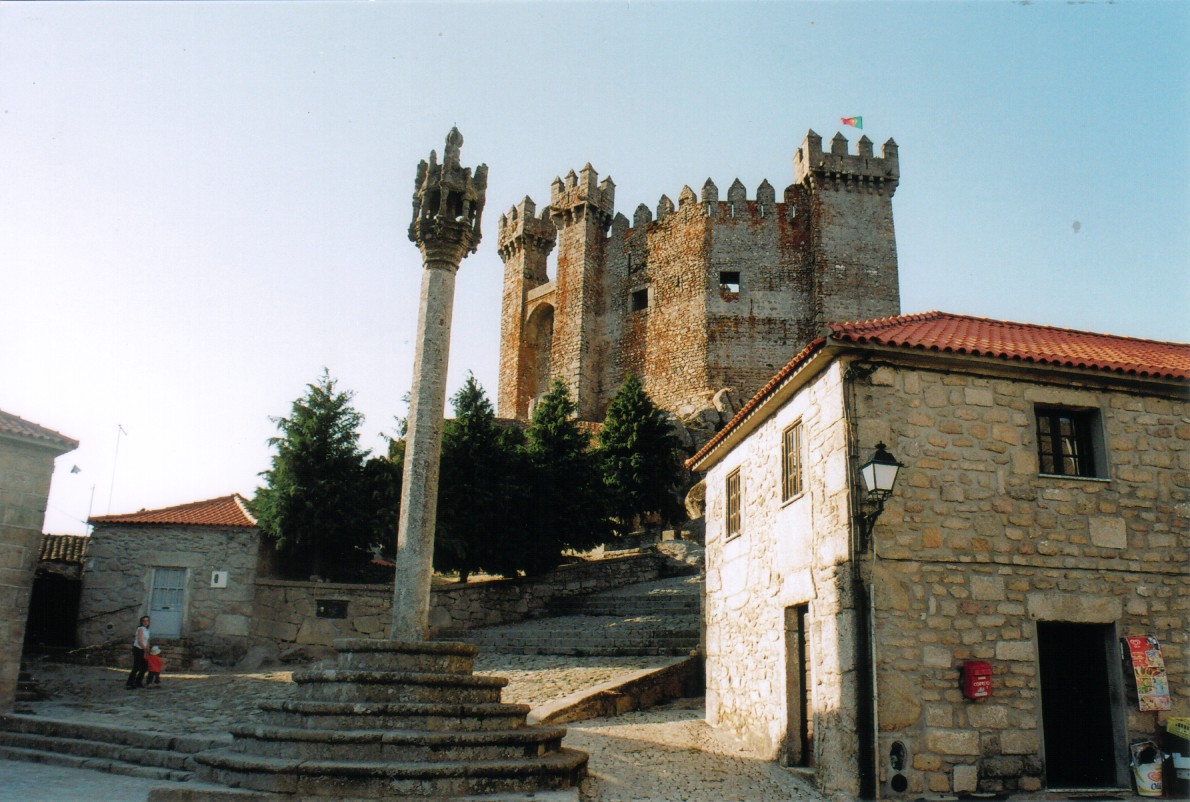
154 661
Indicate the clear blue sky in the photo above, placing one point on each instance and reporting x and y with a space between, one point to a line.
201 205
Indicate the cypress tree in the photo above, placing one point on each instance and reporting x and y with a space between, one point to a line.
312 505
640 458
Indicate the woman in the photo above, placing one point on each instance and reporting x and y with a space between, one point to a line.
140 648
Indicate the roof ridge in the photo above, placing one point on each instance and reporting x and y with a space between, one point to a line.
883 322
242 503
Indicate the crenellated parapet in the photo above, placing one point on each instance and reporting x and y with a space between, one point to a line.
447 205
521 228
580 194
839 169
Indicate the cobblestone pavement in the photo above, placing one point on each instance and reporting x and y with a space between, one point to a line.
662 755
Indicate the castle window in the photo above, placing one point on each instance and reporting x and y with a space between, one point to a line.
640 299
791 462
1066 442
734 503
729 284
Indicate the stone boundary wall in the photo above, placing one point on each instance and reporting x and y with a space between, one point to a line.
296 616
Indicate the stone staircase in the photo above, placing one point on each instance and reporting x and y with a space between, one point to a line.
661 617
395 721
153 755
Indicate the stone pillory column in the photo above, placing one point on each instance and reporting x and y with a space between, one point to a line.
447 204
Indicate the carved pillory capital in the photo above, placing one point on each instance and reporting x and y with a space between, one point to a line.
447 206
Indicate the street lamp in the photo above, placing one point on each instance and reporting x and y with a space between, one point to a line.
879 474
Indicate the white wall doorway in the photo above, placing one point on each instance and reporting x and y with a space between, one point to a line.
799 690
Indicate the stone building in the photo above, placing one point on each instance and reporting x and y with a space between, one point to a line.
27 454
191 567
708 294
1040 516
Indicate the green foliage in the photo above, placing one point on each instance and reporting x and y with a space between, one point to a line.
315 504
567 508
639 454
481 490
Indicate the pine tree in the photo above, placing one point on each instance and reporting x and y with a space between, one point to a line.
568 508
480 491
639 455
313 505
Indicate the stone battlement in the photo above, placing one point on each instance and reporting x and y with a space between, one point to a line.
582 190
839 167
521 226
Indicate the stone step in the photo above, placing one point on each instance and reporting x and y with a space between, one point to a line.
156 758
51 757
396 686
395 782
410 746
572 641
627 607
144 739
397 716
373 654
592 651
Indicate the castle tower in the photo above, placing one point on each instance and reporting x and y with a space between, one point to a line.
853 247
447 205
716 291
582 211
525 241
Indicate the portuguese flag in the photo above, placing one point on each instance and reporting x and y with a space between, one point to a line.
854 122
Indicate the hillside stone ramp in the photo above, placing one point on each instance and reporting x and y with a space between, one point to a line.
661 617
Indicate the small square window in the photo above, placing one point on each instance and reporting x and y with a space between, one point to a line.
734 503
640 299
1066 441
791 462
729 282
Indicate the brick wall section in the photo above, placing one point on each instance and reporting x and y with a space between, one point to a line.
118 581
25 472
286 612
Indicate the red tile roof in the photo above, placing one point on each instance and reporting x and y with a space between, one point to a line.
942 332
1023 342
64 548
12 426
223 511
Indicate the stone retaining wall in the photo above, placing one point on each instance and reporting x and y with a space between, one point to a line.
303 618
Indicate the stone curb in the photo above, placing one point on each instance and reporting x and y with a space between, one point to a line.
644 688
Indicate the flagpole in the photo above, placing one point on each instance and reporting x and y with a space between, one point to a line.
112 487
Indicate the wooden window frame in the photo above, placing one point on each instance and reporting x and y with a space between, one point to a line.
791 461
1066 442
735 504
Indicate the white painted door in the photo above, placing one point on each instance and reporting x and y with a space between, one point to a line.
165 604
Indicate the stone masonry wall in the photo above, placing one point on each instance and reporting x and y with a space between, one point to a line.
25 472
824 254
975 547
288 613
788 553
118 581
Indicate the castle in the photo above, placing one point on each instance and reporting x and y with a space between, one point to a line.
704 295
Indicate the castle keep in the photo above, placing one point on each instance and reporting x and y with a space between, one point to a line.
707 294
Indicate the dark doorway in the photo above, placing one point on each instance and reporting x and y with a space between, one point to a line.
1080 687
799 692
53 611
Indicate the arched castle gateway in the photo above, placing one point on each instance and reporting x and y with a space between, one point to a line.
709 293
